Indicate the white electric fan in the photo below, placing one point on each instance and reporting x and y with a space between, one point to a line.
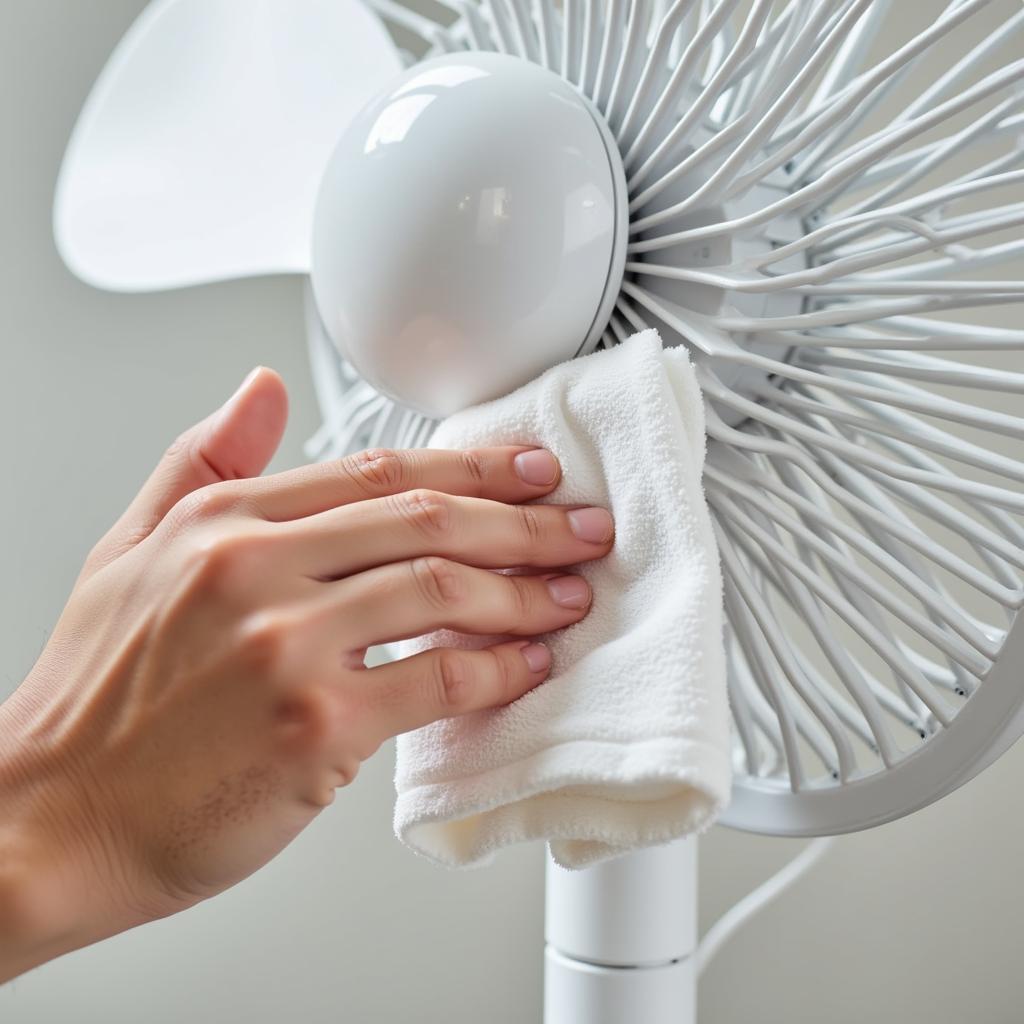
821 209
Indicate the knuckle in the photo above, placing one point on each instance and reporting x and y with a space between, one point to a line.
189 450
368 745
321 795
529 524
523 597
181 445
437 581
98 556
453 680
376 469
427 511
304 709
472 463
261 642
346 770
506 676
210 553
92 561
217 557
205 503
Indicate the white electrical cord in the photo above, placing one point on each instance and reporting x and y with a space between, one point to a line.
724 928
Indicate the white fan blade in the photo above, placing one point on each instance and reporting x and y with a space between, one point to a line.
198 154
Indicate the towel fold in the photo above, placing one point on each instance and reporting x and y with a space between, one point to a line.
626 744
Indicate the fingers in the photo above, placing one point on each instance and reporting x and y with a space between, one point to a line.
477 531
407 599
445 682
511 474
236 441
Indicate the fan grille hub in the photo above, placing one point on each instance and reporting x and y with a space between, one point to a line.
470 231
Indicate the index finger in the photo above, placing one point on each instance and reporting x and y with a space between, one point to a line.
510 473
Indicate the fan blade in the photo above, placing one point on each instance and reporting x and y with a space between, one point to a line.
198 154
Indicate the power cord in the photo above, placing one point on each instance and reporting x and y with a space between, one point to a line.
725 927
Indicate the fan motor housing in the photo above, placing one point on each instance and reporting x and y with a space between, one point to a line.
470 231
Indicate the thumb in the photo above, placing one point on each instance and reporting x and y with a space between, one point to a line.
234 442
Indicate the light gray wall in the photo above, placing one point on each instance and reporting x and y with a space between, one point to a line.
913 922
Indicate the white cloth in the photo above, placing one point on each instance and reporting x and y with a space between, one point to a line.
626 744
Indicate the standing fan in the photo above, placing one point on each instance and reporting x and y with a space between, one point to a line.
821 212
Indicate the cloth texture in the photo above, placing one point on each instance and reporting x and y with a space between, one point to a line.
626 744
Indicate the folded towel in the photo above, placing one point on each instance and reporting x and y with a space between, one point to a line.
626 744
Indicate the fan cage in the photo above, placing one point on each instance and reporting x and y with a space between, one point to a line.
828 214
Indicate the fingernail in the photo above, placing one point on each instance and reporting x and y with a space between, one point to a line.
537 656
569 591
537 467
591 524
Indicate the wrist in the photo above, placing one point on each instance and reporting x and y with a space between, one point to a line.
35 924
51 898
37 921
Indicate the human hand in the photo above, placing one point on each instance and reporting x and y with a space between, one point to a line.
203 693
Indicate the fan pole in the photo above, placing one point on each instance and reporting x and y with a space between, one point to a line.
621 939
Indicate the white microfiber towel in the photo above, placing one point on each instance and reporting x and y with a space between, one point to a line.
626 744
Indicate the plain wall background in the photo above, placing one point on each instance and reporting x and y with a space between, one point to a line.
916 921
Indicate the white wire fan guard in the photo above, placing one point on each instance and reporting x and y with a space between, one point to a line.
808 212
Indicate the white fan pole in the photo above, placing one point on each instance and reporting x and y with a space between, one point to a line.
621 939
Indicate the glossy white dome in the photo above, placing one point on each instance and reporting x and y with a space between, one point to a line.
469 232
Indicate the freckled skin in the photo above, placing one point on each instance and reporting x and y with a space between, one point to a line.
233 802
204 693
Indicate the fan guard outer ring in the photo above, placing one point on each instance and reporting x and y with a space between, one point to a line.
984 728
724 301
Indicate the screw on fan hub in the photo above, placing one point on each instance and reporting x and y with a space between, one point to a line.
470 231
